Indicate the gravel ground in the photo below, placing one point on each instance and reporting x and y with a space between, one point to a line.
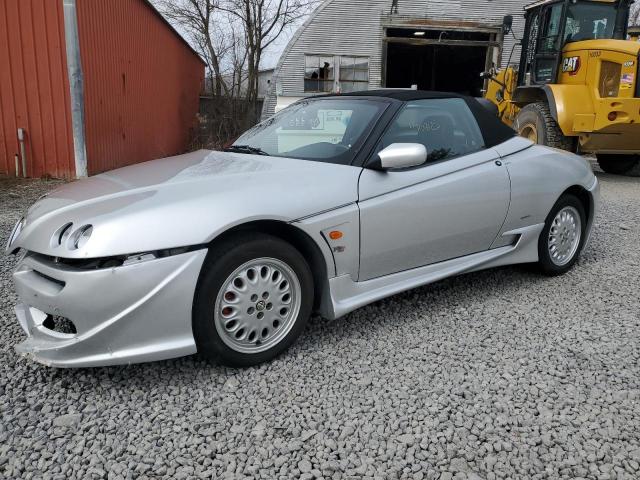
497 374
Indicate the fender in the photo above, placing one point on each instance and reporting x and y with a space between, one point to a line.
571 105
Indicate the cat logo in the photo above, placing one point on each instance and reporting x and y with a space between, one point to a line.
571 65
630 63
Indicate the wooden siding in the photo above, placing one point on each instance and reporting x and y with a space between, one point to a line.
356 27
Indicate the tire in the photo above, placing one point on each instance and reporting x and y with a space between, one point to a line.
536 123
551 262
628 165
233 323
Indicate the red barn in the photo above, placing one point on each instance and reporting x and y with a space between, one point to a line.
90 85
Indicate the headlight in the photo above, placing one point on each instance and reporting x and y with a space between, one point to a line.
609 85
80 237
14 234
71 239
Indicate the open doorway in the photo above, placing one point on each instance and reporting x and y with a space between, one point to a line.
437 63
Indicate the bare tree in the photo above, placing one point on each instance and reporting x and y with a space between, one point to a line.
231 36
198 19
263 22
237 59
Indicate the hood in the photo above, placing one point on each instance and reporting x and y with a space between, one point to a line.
184 200
622 46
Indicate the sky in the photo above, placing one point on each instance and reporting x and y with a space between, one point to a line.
275 50
271 55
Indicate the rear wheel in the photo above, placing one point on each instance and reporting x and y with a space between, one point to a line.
536 123
562 238
253 300
620 164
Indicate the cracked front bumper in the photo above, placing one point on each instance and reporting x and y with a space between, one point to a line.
122 315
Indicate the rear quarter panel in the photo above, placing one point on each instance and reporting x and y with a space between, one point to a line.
539 176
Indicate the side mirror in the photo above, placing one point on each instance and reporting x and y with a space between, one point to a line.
401 155
507 24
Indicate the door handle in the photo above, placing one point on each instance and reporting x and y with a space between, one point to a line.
498 163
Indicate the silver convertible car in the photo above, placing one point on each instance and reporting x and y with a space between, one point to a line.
334 203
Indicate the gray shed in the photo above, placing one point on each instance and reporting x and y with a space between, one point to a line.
348 45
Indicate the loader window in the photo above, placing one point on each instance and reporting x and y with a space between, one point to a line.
590 21
532 48
551 29
549 43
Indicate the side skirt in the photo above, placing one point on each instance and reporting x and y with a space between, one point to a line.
347 295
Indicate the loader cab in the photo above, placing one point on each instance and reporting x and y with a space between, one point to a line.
551 24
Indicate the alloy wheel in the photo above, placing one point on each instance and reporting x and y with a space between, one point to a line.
564 236
257 305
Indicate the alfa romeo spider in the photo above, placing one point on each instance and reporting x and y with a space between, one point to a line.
333 203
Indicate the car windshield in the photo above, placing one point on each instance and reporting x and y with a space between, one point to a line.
590 21
326 129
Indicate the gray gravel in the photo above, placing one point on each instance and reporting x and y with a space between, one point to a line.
498 374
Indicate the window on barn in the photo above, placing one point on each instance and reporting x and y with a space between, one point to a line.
319 73
354 74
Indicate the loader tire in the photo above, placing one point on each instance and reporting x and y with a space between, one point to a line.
628 165
536 123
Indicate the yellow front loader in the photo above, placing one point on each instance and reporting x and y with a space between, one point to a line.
576 86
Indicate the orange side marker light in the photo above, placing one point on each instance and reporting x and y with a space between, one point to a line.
335 235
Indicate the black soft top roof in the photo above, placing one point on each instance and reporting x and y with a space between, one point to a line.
403 95
493 130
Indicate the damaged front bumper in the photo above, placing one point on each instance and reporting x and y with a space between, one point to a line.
128 314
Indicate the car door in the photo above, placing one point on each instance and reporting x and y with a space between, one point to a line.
453 205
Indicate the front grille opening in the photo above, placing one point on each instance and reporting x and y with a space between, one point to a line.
59 324
109 262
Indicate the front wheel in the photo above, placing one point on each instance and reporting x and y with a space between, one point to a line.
562 238
628 165
253 300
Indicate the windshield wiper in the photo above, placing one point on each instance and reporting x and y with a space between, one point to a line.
246 149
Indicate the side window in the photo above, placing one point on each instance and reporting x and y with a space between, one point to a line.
533 38
446 127
319 73
550 39
354 74
329 73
